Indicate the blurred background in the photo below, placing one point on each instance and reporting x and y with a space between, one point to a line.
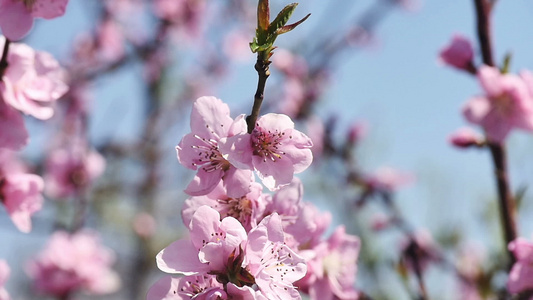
136 66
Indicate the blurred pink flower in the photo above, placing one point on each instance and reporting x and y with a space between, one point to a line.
185 15
274 149
521 275
236 46
32 82
16 16
357 131
13 134
72 169
465 137
73 262
4 274
21 196
388 179
110 40
144 225
316 131
508 104
332 271
459 53
380 221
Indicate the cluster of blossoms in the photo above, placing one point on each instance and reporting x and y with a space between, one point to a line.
507 104
245 243
30 84
73 262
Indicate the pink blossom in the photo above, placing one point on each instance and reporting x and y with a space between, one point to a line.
507 104
380 221
236 46
110 40
247 209
469 265
199 287
357 131
16 16
4 274
13 134
186 15
459 53
21 196
316 131
144 225
212 242
388 179
72 169
521 275
189 287
465 137
32 82
303 223
199 150
332 272
274 149
273 264
73 262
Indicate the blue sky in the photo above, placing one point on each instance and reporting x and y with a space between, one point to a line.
410 101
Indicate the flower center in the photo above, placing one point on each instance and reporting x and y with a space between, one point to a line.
29 3
209 156
266 144
240 208
503 105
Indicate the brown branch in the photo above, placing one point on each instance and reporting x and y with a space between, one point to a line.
497 150
3 61
483 10
506 201
261 66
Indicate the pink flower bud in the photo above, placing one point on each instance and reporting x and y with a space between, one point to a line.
458 53
357 131
465 137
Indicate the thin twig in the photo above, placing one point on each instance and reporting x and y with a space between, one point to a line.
497 150
262 68
3 61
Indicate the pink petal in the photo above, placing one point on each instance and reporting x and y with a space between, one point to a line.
300 158
238 150
13 134
522 249
210 118
165 288
49 9
204 224
490 79
476 109
15 20
274 122
274 174
204 182
180 257
238 182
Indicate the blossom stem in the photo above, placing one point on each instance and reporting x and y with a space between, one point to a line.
3 61
506 202
497 150
262 68
483 9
